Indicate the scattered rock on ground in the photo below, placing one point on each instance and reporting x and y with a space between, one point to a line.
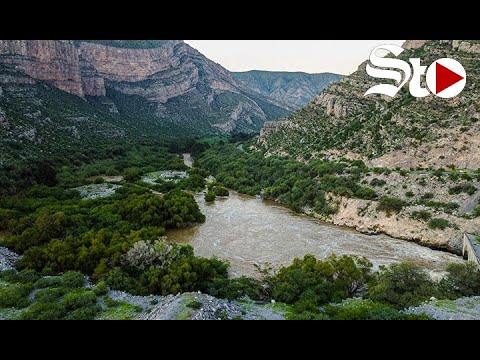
7 259
461 309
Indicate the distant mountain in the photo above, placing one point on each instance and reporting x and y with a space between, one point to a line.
292 90
118 88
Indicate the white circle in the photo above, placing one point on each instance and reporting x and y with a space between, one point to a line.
450 91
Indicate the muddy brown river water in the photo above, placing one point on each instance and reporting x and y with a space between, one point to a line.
247 231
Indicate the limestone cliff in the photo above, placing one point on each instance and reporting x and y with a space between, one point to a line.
162 80
55 61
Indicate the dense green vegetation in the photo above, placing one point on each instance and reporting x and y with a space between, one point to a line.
333 288
293 183
45 220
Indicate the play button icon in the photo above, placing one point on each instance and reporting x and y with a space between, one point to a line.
446 78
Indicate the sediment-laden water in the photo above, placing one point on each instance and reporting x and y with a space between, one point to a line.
247 231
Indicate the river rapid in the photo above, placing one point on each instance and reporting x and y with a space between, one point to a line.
246 231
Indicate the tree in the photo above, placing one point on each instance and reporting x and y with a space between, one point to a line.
132 174
320 282
462 280
221 191
210 196
402 285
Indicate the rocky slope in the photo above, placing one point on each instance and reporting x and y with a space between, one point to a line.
401 132
293 90
145 87
198 306
7 259
434 142
460 309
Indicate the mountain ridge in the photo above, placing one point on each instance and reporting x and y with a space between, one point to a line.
291 89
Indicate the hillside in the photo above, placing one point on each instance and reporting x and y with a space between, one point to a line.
114 89
404 132
293 90
421 157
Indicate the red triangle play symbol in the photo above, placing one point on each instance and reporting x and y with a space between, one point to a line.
446 78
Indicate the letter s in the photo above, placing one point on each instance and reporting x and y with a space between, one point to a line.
381 62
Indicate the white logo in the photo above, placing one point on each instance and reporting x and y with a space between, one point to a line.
445 78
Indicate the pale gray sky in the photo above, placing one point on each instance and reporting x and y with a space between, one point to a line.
313 56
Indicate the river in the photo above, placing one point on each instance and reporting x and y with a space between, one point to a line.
247 231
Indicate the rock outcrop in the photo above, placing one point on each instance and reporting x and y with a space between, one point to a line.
414 44
55 61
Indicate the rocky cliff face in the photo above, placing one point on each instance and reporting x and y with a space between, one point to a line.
292 90
55 61
161 80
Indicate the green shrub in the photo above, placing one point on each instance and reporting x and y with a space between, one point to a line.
428 196
117 279
466 188
210 196
402 285
237 288
132 174
14 297
437 223
422 215
315 281
447 207
110 303
409 194
79 299
44 311
462 280
390 205
73 280
99 180
366 193
28 276
85 313
101 288
476 212
47 282
49 295
10 276
365 310
221 191
196 305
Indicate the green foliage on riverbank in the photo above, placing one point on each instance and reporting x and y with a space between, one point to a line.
294 184
333 288
55 230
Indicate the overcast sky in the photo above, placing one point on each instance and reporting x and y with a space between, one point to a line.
313 56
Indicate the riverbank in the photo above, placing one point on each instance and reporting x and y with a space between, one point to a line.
363 216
